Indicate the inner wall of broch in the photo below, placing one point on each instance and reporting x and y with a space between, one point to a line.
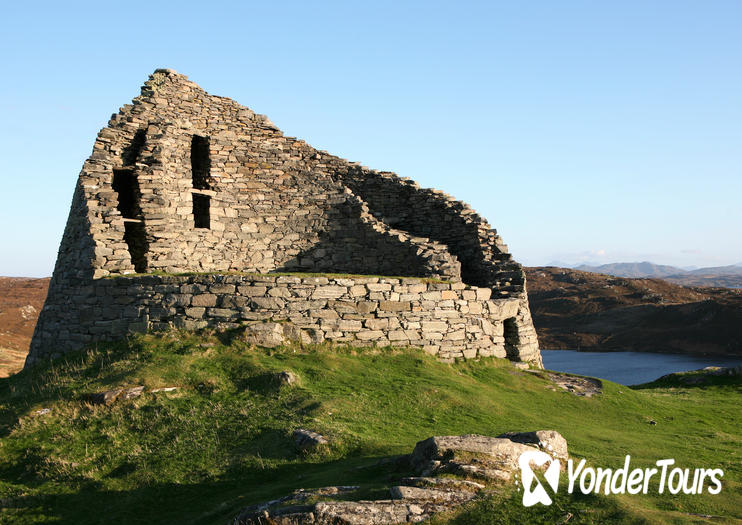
183 181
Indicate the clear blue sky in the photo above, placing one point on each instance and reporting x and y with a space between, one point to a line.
582 130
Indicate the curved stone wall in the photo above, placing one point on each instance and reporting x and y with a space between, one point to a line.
447 319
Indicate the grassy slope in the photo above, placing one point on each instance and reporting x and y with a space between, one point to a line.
222 441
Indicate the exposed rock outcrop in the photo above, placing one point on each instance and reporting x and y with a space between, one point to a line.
414 499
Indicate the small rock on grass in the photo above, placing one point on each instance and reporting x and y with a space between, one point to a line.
287 377
307 439
108 397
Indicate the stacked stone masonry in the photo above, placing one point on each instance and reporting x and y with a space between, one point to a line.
183 181
451 320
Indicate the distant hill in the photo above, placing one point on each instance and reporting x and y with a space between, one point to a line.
633 269
714 276
21 300
575 310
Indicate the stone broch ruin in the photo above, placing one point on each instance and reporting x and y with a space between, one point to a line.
192 209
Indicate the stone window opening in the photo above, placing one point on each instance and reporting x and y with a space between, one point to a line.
201 205
512 338
126 186
201 192
200 162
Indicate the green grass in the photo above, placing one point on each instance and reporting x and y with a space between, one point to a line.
223 439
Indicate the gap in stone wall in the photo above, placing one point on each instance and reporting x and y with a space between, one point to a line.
200 171
510 332
136 240
201 215
200 162
125 184
132 151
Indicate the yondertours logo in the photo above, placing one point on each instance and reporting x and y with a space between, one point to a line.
540 476
535 490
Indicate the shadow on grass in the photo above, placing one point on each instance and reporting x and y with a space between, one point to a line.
63 378
207 501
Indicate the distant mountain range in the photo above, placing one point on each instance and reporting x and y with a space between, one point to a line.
715 276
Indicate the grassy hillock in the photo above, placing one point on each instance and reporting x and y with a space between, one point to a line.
222 440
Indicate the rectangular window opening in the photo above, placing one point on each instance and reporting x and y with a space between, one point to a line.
200 162
512 337
126 186
201 204
136 240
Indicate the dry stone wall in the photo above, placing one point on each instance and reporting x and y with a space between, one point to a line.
272 204
184 181
450 320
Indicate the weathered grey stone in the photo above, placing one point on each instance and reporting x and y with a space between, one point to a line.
434 326
549 440
371 512
292 333
287 377
328 292
131 393
449 483
204 300
415 500
446 496
394 306
109 397
269 335
365 307
502 449
307 439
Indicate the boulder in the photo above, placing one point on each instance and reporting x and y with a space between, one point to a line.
504 451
